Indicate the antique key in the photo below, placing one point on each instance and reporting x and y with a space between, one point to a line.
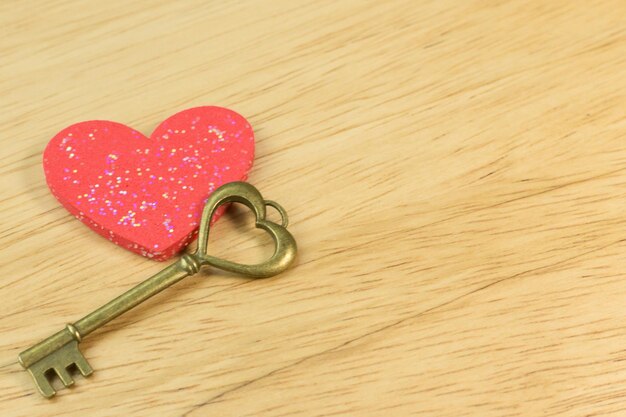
60 351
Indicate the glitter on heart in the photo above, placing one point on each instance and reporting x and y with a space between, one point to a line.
147 194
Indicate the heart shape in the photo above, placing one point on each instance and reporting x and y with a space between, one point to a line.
285 248
146 194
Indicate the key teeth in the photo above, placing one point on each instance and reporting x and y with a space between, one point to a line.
59 361
83 366
43 384
64 376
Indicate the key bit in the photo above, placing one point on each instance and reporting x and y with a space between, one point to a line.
59 352
57 356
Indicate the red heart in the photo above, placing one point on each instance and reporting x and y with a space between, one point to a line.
147 194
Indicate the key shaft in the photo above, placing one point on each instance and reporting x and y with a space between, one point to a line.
184 267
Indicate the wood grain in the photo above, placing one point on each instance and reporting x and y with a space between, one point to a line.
455 173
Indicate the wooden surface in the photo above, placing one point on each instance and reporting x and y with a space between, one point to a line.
455 174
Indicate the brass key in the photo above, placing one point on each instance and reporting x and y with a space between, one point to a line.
60 351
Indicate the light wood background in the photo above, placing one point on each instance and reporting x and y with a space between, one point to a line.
455 172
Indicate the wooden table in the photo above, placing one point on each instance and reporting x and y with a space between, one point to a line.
455 174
